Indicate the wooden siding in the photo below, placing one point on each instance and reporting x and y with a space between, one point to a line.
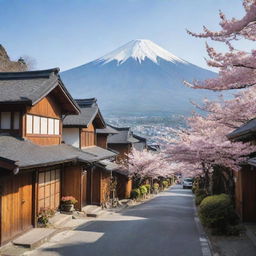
88 136
72 184
16 205
105 186
102 140
93 186
123 187
47 107
123 150
248 181
48 189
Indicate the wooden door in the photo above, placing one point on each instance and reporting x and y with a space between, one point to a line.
249 194
49 189
96 186
16 205
84 188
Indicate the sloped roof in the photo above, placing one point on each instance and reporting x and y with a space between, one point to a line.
30 87
124 136
88 112
26 154
107 130
252 161
243 131
99 153
112 166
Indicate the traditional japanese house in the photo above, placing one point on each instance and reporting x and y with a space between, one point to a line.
80 131
123 142
33 162
245 179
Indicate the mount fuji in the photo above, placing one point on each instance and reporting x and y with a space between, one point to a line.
140 76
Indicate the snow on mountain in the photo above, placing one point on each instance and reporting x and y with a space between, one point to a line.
139 50
138 77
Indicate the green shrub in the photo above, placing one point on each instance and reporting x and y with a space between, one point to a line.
215 211
235 230
143 190
148 188
165 184
200 195
135 193
156 186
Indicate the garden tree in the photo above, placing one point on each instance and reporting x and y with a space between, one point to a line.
6 65
145 164
237 68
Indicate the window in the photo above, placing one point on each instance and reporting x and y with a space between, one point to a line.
44 125
41 125
36 124
6 120
29 123
56 126
16 120
50 126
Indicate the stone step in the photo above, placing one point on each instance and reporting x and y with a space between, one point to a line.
96 214
34 237
89 208
59 219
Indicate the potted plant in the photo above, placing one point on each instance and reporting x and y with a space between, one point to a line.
44 215
67 203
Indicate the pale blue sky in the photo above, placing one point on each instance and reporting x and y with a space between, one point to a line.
68 33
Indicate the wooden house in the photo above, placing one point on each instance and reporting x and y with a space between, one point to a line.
33 162
123 142
81 131
245 179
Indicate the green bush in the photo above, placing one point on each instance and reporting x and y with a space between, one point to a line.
156 186
148 188
165 184
135 193
200 195
143 190
215 212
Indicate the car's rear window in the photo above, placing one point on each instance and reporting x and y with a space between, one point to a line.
188 179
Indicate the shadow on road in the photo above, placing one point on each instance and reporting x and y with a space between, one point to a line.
162 226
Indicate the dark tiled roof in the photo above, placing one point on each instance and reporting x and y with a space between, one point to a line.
124 136
88 111
107 130
99 153
112 166
252 161
31 86
243 131
26 154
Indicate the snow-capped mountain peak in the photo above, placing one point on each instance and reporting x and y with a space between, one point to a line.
139 50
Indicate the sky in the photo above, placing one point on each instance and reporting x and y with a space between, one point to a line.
69 33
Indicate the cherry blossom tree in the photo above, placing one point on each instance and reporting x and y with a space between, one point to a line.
237 68
146 164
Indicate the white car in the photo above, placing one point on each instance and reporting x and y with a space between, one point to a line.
187 183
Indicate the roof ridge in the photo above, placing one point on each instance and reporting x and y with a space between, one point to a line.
28 74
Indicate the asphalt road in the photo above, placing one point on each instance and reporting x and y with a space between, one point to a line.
163 226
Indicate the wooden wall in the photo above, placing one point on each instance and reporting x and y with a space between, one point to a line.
102 140
71 184
105 186
16 206
123 150
124 186
88 136
47 107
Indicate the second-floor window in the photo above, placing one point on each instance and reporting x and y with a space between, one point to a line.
9 120
42 125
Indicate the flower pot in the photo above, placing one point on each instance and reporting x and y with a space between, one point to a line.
67 207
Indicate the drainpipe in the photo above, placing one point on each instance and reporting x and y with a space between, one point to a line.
92 169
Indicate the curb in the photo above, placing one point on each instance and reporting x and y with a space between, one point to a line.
206 246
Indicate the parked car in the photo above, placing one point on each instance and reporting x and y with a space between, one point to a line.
187 183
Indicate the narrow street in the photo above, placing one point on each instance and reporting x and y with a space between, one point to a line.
162 226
